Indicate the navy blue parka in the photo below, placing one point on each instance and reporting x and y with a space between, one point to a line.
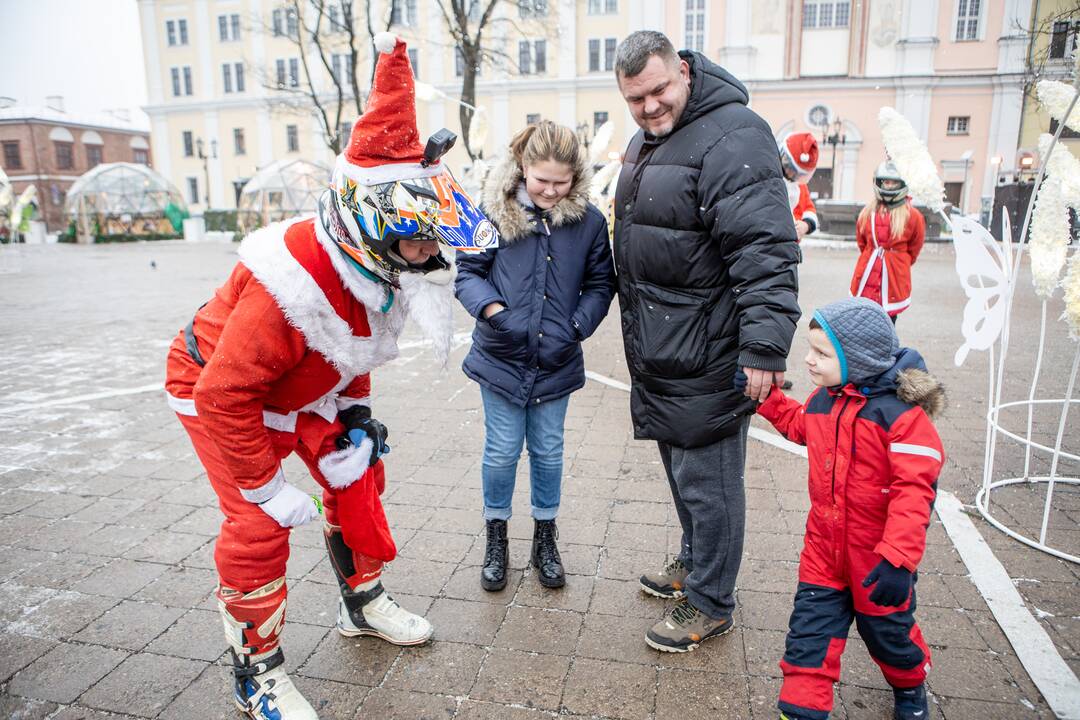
554 273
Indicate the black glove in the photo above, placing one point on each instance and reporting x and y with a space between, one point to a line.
893 584
739 383
359 425
498 319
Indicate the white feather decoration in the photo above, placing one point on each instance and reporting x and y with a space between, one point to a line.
1055 97
600 142
912 159
1072 296
1049 236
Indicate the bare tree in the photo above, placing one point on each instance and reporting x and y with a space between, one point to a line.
470 24
328 45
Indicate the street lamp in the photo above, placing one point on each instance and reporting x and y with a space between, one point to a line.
200 150
833 134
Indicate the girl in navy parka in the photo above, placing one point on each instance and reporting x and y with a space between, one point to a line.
535 298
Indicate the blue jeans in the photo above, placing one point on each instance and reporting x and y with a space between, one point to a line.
506 428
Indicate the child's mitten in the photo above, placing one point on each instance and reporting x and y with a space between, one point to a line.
893 584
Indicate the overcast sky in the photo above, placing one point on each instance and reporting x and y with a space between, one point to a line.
89 51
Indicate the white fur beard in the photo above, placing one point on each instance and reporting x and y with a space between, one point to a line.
429 301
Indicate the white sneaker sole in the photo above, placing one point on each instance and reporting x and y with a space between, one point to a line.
677 595
375 633
693 646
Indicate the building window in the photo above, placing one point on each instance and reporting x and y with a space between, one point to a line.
141 157
193 190
175 72
695 25
292 25
238 141
238 74
825 14
12 156
532 118
333 13
414 60
170 31
93 156
599 118
603 7
292 139
967 20
181 26
609 53
277 22
594 55
228 27
532 57
189 144
1063 40
293 77
532 8
226 72
65 157
342 69
176 32
958 124
403 12
187 79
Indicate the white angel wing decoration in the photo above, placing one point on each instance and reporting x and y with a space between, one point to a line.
984 274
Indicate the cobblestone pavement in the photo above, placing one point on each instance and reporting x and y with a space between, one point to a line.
107 526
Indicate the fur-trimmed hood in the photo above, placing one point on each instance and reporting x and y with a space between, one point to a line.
919 387
910 381
499 199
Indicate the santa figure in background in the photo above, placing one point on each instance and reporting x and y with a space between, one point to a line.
278 362
798 160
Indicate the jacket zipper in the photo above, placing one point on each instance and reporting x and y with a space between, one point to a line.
836 445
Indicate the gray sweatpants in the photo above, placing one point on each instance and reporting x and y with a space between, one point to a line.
707 486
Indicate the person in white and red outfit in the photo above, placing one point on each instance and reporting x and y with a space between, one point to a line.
278 362
890 233
798 160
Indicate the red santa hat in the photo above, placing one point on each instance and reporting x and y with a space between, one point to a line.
802 148
385 144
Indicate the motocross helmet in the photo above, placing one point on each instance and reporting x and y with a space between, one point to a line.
891 197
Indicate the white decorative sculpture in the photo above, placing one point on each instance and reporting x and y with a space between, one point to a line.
989 275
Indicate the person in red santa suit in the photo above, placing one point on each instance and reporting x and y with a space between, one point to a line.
278 361
798 160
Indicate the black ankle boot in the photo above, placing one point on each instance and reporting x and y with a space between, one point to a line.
545 554
493 574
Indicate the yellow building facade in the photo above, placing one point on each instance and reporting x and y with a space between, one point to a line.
954 68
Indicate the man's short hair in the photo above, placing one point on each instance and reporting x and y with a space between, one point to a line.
636 49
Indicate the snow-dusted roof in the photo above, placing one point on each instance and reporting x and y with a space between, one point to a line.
101 121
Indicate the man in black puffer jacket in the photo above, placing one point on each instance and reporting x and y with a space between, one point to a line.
706 255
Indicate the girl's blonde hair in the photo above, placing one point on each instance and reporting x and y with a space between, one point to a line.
547 141
898 217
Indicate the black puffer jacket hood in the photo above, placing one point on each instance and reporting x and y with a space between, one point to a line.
707 262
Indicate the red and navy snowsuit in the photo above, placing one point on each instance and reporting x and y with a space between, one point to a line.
874 460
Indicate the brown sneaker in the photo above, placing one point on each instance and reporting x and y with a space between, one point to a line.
684 628
667 583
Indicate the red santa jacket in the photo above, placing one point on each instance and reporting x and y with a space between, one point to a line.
288 341
874 458
883 270
802 205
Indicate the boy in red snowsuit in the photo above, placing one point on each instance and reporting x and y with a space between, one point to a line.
874 459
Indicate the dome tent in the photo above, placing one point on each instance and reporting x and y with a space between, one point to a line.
117 200
283 189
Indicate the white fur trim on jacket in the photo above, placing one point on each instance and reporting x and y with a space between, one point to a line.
342 468
266 491
306 308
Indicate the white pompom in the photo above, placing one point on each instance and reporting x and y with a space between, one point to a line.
805 157
385 42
